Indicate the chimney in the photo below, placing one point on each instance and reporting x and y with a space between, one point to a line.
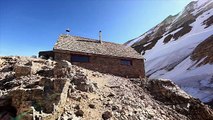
100 37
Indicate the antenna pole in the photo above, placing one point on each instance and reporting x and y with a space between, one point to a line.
67 31
100 37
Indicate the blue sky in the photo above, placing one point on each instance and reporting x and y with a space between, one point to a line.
28 26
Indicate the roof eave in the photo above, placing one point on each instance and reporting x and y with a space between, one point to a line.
65 51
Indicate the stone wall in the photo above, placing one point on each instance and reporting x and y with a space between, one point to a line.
62 56
106 64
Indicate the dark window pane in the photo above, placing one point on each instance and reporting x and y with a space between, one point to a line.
126 62
79 58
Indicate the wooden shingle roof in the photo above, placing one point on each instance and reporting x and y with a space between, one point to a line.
92 46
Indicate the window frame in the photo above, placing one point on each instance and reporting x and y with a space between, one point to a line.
122 62
79 55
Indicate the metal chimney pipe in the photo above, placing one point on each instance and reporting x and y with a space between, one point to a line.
100 37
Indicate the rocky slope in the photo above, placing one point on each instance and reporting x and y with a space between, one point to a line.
180 49
43 89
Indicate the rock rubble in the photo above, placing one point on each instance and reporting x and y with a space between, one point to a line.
33 89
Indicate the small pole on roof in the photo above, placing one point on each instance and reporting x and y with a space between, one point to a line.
100 36
67 31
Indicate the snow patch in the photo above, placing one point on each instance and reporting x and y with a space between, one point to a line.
200 3
172 60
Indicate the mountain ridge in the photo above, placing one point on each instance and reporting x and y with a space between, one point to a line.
176 49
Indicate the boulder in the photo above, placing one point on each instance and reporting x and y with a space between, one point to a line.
83 84
79 113
62 69
22 70
106 115
92 106
6 68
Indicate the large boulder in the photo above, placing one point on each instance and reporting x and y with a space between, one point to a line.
62 69
22 70
82 83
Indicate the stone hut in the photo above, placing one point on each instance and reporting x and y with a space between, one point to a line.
98 55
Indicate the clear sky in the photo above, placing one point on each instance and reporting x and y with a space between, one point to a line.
28 26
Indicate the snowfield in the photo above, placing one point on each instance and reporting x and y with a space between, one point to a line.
172 60
194 80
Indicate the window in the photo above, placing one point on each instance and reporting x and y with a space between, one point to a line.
126 62
79 58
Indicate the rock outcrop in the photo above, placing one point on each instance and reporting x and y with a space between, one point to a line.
37 89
